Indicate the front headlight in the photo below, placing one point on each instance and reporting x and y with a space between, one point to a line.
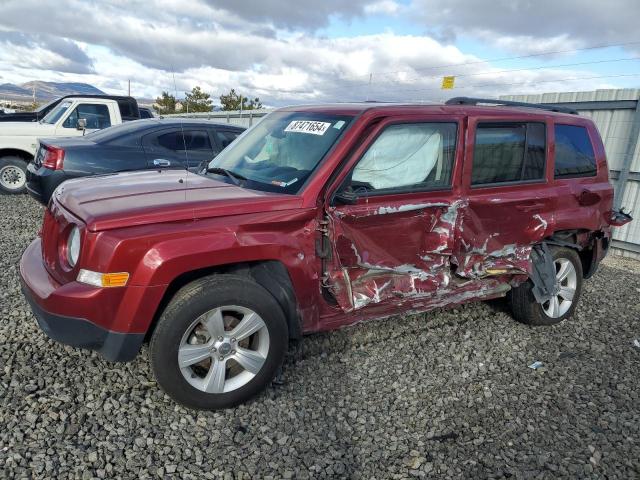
73 246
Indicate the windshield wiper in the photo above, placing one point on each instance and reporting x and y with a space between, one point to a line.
235 177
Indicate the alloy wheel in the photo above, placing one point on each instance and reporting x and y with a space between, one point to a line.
223 349
565 289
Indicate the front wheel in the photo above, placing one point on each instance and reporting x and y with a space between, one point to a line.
566 294
13 175
219 342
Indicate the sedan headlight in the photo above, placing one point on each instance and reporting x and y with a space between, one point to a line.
73 246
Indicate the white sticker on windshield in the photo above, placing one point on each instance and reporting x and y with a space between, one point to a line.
308 126
339 124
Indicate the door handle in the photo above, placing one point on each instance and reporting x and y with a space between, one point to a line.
161 162
529 207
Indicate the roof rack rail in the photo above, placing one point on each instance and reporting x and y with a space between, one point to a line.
493 101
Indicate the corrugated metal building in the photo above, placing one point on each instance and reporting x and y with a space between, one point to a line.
617 115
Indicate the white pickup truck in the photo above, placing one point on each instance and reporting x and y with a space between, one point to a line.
72 116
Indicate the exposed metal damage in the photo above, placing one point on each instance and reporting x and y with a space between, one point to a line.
453 264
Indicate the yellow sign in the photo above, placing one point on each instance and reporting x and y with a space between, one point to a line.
447 82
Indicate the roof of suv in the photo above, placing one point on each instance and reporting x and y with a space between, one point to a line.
398 108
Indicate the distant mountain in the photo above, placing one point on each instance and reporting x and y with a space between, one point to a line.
45 90
11 89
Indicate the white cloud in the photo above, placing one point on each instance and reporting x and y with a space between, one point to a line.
269 48
529 24
382 7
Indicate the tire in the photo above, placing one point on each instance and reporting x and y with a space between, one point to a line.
190 328
527 310
13 175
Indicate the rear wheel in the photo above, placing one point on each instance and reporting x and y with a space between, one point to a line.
219 342
13 175
566 294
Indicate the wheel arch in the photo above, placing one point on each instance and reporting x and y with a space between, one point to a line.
272 275
591 246
16 152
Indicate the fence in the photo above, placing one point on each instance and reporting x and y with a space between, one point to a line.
244 118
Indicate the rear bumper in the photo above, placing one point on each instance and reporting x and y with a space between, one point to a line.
41 182
113 321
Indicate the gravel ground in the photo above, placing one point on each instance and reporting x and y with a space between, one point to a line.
446 394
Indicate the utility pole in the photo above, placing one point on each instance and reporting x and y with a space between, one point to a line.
129 87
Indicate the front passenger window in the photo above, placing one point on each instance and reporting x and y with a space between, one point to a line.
411 156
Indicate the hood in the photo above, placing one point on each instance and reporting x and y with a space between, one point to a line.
14 129
140 198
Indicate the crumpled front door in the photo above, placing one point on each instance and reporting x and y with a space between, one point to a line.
387 250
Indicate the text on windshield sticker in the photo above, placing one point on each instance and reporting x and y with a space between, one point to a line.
308 126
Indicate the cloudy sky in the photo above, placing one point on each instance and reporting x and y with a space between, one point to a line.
292 51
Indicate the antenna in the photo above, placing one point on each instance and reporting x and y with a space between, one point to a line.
184 141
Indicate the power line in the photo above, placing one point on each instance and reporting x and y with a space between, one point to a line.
532 55
525 83
477 62
399 83
495 72
501 59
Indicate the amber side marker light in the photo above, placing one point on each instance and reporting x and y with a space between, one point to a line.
98 279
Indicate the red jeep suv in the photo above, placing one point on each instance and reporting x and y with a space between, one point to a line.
316 218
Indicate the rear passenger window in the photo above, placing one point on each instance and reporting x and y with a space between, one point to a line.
574 152
508 153
191 140
225 137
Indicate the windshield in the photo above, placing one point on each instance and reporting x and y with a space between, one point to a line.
280 152
54 115
45 106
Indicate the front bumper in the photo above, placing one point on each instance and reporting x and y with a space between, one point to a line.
77 314
78 332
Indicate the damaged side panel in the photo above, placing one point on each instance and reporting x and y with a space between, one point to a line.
391 251
440 252
398 254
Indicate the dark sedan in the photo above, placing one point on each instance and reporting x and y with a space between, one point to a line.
138 145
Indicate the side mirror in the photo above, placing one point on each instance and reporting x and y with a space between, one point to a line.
82 124
345 197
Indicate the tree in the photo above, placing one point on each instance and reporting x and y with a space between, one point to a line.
232 102
165 104
197 101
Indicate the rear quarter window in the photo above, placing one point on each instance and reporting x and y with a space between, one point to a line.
574 152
